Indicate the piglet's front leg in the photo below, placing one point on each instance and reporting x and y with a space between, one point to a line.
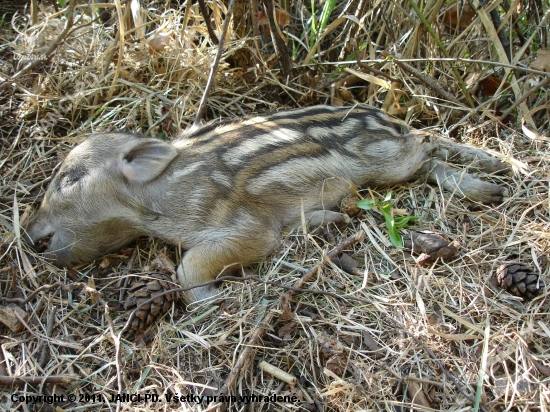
200 265
223 252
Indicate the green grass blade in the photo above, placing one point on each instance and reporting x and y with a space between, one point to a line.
313 26
328 8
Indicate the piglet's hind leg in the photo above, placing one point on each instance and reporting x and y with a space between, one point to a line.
469 156
463 183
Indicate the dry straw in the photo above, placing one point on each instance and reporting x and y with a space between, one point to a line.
407 336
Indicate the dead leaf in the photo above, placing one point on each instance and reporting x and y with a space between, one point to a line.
430 246
347 264
329 345
400 212
374 347
503 386
287 311
105 263
424 260
287 330
434 320
486 86
542 62
337 365
91 285
162 263
489 86
417 394
281 16
333 352
8 316
541 367
458 16
398 111
159 41
532 133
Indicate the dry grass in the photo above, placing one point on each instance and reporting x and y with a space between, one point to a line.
428 338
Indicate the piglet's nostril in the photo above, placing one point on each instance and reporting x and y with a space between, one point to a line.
41 245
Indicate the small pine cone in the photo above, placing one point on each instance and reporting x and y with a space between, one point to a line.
519 280
349 206
150 294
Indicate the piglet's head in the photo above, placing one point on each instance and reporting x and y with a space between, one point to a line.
94 205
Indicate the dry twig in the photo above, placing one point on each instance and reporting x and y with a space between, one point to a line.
214 68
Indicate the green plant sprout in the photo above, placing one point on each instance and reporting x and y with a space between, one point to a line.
326 12
392 223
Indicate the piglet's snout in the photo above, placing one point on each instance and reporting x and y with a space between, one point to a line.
38 236
42 244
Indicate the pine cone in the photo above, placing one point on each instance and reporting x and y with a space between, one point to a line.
151 293
519 280
349 206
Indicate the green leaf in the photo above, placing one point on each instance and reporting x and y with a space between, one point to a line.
403 221
317 30
386 210
366 204
395 237
393 224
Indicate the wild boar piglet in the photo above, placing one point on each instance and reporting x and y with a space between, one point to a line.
225 191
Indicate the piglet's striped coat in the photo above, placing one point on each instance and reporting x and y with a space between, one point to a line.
226 191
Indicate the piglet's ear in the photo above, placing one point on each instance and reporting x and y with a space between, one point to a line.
145 159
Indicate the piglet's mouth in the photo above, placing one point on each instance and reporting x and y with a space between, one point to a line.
45 247
42 245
